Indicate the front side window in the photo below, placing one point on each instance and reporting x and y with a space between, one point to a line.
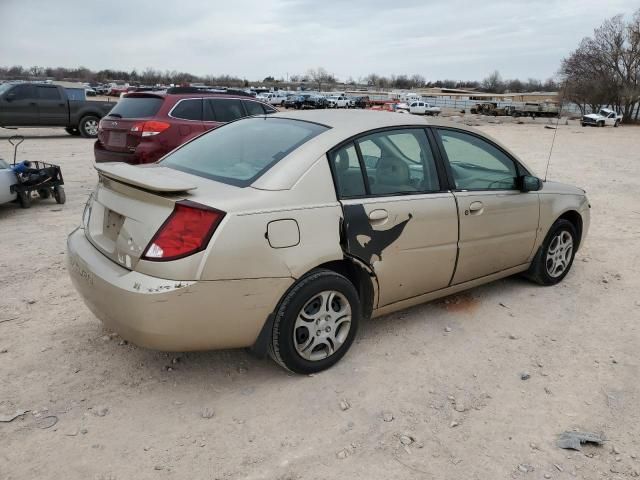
348 174
399 162
21 92
190 109
476 164
224 109
238 153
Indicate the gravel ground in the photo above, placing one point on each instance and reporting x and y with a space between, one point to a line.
433 392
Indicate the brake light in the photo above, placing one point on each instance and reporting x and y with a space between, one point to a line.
149 128
187 231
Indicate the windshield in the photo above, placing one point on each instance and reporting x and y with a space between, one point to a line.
239 152
4 87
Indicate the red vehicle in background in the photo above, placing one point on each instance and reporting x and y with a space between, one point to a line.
145 126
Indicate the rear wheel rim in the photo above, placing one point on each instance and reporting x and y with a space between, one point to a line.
91 127
322 325
559 254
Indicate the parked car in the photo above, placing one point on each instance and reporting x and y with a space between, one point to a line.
337 101
144 126
47 105
295 101
361 102
315 101
605 116
284 232
423 108
273 98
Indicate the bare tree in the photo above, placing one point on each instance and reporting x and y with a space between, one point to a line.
320 76
605 68
493 83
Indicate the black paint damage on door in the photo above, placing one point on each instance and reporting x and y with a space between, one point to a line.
357 223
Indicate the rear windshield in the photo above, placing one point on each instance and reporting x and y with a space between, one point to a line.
136 107
239 152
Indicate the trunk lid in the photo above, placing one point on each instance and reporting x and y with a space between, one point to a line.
131 203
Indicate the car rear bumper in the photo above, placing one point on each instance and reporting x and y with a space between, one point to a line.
171 315
145 152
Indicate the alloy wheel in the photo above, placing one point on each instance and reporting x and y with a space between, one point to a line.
322 325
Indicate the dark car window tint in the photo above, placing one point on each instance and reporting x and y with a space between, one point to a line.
22 92
48 93
476 164
253 108
226 110
347 171
188 109
240 152
399 161
136 107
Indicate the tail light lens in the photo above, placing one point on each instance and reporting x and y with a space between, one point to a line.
187 231
147 129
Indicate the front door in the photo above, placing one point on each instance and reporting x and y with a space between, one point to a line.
498 222
397 219
52 108
18 107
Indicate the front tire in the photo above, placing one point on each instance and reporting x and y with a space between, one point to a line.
25 199
555 257
315 323
59 194
88 126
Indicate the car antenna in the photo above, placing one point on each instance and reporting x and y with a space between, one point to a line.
555 130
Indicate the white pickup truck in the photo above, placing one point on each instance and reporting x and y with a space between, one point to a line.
605 116
423 108
272 98
7 180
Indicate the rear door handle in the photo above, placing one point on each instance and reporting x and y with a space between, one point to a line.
378 216
475 208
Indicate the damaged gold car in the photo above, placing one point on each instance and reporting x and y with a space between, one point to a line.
283 232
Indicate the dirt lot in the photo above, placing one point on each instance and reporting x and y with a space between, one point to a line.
447 375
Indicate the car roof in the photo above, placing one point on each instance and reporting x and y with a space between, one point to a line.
344 124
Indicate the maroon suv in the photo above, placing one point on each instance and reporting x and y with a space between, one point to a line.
144 126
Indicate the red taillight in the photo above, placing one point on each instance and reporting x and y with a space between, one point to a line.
187 231
151 127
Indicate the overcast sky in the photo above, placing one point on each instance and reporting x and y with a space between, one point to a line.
439 39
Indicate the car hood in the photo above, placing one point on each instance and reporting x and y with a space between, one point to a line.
595 116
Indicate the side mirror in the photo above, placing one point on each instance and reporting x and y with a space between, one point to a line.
529 183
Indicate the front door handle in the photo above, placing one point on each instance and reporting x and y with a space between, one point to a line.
475 208
378 216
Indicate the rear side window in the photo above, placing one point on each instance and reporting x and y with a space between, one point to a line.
224 109
190 109
136 107
348 173
257 108
48 93
238 153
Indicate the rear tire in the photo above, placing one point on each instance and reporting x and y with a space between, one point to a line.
555 256
88 126
617 124
59 194
303 310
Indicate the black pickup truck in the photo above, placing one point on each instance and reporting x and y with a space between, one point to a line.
47 105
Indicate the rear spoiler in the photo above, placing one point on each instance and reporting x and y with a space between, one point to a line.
152 177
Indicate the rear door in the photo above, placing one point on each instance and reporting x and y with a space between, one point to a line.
52 106
398 218
18 107
222 110
187 119
498 222
116 132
